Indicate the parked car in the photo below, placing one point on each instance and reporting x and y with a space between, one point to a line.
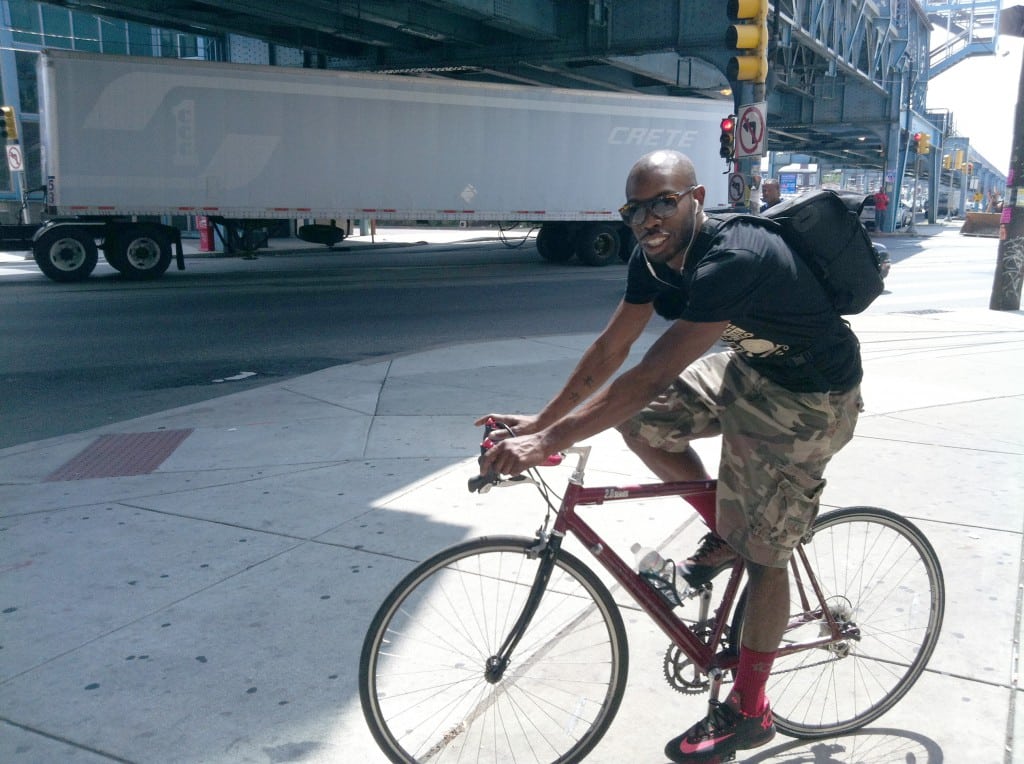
883 258
867 214
906 215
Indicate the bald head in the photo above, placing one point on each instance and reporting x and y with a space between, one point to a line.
671 167
665 232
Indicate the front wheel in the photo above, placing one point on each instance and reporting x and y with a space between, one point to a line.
424 683
881 580
66 253
554 242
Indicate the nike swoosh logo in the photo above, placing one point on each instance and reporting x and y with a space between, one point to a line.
704 745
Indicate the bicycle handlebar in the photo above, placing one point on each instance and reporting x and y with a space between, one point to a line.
480 483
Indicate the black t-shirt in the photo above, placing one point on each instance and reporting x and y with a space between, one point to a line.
780 319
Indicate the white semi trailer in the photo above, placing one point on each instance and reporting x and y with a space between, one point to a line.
129 143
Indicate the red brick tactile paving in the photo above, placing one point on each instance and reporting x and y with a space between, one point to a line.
124 455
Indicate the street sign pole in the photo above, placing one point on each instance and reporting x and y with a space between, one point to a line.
1006 287
912 228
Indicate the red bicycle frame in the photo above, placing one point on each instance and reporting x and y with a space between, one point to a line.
705 655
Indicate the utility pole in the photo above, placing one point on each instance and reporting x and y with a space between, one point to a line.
1006 287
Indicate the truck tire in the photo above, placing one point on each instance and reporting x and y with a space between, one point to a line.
554 242
113 254
598 244
139 252
627 243
66 253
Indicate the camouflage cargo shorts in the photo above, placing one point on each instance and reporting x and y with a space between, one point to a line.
775 445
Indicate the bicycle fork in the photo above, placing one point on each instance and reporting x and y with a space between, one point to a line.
546 549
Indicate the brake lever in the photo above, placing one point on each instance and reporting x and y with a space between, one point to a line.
482 483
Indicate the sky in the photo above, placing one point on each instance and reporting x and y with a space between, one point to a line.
982 93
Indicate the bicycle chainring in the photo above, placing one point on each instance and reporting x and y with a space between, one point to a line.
681 675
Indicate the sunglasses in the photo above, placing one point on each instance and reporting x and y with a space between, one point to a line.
663 206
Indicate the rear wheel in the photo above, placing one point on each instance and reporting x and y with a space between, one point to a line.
598 244
66 253
627 243
424 679
881 580
140 252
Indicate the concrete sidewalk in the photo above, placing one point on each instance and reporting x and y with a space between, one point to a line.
194 586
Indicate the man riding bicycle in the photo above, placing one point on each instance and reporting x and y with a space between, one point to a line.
784 397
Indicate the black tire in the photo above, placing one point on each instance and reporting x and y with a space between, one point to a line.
554 242
421 672
140 252
878 570
598 244
66 253
115 258
627 243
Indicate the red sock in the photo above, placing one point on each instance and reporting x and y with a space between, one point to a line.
751 677
704 503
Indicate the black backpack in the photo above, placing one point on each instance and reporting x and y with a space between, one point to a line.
823 228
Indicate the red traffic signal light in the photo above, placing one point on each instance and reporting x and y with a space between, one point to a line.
727 139
916 138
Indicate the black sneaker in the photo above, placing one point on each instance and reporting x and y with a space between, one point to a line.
725 731
711 558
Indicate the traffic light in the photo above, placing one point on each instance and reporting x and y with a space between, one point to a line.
728 138
749 35
970 168
915 142
924 144
959 162
947 162
9 128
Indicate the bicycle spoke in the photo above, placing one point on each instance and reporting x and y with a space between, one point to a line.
880 576
423 677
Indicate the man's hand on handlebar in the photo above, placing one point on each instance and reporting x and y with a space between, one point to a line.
504 452
514 455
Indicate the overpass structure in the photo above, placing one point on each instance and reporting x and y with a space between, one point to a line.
846 80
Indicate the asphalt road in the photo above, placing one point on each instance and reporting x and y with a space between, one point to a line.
76 356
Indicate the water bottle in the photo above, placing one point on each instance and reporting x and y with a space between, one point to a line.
659 572
647 560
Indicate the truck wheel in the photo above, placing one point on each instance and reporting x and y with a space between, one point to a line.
140 252
627 243
554 243
112 252
598 244
66 253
